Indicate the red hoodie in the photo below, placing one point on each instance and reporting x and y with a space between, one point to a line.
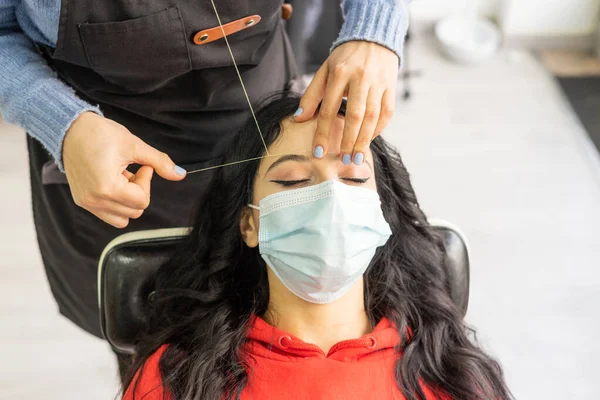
284 367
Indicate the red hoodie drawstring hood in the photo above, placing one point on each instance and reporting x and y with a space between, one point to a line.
268 341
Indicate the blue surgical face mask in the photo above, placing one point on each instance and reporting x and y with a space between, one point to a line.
319 240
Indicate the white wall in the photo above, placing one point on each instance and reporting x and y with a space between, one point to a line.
520 17
549 17
433 10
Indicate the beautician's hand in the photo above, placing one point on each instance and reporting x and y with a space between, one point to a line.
96 153
364 72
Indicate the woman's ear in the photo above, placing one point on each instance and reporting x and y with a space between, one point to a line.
249 228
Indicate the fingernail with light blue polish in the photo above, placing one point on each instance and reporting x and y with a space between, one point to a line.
359 158
298 112
179 170
318 152
346 159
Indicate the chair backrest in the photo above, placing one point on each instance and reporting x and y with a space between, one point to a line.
128 267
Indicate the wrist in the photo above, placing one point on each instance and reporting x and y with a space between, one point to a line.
80 119
379 21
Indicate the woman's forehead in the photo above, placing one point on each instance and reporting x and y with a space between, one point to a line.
298 137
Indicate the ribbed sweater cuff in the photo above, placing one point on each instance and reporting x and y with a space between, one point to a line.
47 111
383 22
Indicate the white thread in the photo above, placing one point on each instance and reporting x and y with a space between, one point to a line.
239 76
226 165
247 160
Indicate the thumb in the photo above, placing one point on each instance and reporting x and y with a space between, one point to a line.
144 154
142 178
313 95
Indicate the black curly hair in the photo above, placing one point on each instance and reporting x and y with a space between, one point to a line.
206 294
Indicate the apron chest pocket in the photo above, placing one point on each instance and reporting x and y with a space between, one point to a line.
141 54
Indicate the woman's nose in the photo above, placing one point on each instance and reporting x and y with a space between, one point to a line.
328 167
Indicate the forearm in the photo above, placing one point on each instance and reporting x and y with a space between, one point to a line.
31 95
380 21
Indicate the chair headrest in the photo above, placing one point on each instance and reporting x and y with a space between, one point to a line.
457 252
128 267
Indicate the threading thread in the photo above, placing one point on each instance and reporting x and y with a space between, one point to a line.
239 76
228 164
244 161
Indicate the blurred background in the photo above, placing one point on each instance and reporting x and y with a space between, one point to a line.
498 120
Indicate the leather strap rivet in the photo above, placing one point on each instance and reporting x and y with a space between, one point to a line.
203 37
249 22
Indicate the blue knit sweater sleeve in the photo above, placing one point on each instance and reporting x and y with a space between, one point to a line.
380 21
31 96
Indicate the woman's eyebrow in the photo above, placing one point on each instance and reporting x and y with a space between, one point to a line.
288 157
302 158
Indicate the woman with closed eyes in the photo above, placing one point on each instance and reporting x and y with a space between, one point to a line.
308 278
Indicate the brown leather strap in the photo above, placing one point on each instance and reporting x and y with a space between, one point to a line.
286 11
212 34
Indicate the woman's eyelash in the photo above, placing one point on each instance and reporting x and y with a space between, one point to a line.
356 180
291 183
299 181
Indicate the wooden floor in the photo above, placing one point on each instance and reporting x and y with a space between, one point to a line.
566 63
494 149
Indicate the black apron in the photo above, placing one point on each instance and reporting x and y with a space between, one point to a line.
139 61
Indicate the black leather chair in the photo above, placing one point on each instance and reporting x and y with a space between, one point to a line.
129 263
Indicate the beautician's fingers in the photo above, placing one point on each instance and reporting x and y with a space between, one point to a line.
355 114
115 213
330 107
369 124
313 95
143 178
131 194
145 154
96 152
135 193
376 68
388 105
114 220
117 209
